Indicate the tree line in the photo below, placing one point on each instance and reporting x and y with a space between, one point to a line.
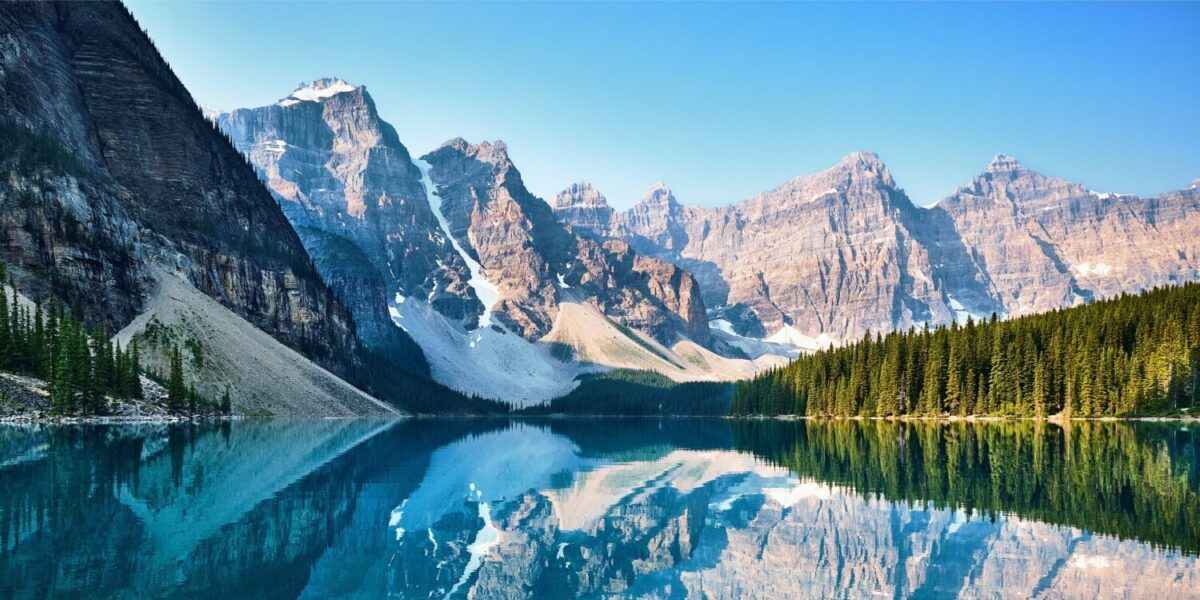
79 364
628 392
1128 356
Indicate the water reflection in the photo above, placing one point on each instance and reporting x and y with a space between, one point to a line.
602 508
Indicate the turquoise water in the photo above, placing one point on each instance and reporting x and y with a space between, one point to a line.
645 508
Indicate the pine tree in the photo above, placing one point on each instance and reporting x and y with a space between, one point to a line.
1127 356
133 380
176 391
954 378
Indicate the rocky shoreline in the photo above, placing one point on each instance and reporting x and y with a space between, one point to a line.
26 400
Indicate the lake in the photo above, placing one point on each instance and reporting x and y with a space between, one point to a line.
640 508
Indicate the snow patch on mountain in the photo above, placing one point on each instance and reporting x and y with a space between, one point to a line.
961 314
316 91
1089 269
828 192
792 336
1108 195
753 347
597 340
485 290
490 362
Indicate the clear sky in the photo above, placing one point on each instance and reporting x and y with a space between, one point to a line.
722 101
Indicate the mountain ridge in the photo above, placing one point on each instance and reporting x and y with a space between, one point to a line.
114 175
879 262
443 228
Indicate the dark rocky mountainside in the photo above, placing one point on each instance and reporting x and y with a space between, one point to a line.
845 251
147 178
455 230
115 182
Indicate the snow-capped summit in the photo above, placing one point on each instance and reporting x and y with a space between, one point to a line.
1004 163
318 90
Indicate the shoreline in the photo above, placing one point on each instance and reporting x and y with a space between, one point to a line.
113 420
976 419
177 419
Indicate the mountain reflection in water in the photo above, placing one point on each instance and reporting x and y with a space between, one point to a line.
639 508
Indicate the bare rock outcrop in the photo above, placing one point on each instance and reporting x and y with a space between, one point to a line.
844 251
109 167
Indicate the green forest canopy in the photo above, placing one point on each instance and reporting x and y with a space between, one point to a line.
1133 355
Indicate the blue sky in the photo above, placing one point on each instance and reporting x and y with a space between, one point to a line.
722 101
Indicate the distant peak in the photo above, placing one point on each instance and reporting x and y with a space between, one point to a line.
580 193
1003 163
658 193
317 90
856 165
862 157
492 152
457 143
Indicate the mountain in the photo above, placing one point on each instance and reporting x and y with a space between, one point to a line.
120 198
351 191
826 257
1042 243
537 264
502 298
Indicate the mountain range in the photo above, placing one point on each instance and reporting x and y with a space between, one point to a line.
828 257
362 271
470 255
503 298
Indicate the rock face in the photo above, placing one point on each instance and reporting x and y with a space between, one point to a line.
586 209
352 192
110 167
535 261
1042 243
357 198
835 254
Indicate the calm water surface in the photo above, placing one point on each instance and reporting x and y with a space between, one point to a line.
636 508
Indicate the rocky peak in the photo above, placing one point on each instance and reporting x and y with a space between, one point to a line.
658 195
586 210
526 251
495 153
580 194
861 165
863 159
1003 163
348 185
318 90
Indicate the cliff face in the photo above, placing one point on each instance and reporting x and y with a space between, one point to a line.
536 262
452 249
110 168
345 180
1043 242
586 209
825 253
844 251
350 188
